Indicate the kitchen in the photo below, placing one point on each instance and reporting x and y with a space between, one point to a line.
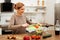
38 11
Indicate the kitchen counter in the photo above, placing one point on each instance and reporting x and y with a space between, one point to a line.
20 36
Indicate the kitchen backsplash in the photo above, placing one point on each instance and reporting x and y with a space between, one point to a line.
4 17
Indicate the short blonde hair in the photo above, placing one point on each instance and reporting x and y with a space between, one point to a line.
18 5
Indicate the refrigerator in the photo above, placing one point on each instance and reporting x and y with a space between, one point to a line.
57 12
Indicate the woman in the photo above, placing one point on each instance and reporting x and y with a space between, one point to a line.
19 21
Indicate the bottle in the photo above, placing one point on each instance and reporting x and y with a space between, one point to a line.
57 29
42 3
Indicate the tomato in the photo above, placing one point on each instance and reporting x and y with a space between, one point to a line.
33 36
26 37
36 26
38 37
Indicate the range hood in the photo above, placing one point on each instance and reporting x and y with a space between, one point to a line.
7 1
7 6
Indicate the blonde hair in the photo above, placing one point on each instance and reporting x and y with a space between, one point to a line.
19 4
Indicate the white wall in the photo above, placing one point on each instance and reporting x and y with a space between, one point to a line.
50 15
49 9
5 16
57 1
1 1
28 2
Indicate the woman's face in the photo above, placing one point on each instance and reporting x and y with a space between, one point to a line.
21 10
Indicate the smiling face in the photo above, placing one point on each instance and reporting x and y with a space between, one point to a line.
20 10
19 7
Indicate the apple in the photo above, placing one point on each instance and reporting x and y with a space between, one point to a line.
26 37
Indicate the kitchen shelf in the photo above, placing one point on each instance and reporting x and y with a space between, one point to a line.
40 7
31 12
35 12
35 9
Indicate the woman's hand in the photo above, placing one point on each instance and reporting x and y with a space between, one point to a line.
25 25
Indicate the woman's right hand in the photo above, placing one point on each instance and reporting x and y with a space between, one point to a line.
25 25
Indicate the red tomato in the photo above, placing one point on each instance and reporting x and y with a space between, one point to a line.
38 37
37 26
33 36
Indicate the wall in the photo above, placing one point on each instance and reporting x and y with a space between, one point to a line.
57 1
4 17
28 2
1 1
49 16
